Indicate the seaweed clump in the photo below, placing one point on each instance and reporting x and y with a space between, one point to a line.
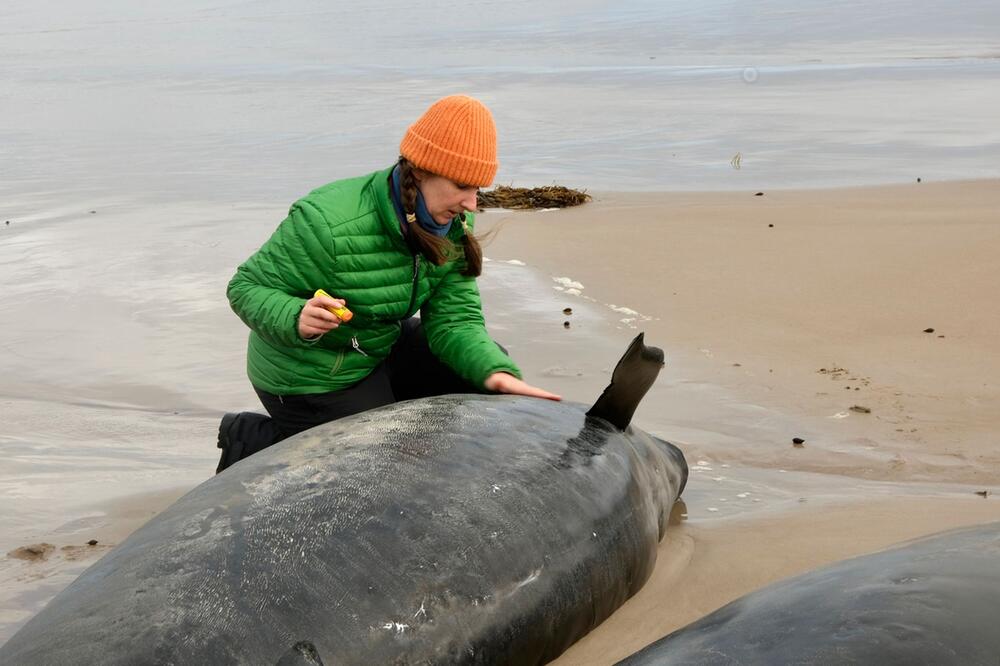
553 196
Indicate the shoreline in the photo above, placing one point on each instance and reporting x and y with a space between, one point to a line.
706 279
822 312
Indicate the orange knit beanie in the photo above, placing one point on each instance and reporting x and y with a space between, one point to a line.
455 138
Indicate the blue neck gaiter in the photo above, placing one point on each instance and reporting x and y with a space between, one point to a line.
424 218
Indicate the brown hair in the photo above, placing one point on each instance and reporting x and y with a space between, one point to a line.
436 249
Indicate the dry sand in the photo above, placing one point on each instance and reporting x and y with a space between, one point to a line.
821 312
771 332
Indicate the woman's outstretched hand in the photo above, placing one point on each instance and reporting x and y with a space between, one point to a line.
502 382
316 318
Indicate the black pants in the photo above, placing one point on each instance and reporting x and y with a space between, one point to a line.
410 371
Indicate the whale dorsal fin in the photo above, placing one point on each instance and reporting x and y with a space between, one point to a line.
635 373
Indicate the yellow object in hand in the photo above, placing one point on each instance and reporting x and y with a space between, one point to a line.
344 314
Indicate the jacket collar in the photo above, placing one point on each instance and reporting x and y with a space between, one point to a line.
384 208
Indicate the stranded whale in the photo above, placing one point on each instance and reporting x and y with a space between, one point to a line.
454 529
933 601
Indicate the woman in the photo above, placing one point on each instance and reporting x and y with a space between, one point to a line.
386 246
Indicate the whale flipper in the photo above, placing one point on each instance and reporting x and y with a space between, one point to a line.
635 373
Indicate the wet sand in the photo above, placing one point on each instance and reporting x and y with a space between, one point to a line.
770 332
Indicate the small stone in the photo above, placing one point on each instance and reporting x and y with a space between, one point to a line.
928 330
770 226
565 324
759 194
940 336
92 212
737 365
567 311
918 180
983 493
92 542
798 442
860 410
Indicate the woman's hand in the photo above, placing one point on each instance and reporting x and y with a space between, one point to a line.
502 382
316 318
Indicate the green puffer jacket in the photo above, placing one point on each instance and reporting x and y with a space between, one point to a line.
345 238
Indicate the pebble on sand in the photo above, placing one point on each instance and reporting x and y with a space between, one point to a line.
798 442
567 311
92 542
770 225
860 410
983 493
928 330
759 194
565 324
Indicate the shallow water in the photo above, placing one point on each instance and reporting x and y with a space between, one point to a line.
244 101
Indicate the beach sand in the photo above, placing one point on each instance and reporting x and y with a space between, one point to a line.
771 332
808 304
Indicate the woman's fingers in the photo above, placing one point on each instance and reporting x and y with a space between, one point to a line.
536 392
320 312
327 302
503 382
316 319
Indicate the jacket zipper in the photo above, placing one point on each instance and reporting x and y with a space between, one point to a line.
336 366
413 289
357 346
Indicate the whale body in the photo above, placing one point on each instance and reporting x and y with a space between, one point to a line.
454 529
933 601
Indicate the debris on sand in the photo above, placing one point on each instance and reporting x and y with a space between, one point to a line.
565 324
567 311
798 442
861 410
983 493
92 542
553 196
32 553
928 330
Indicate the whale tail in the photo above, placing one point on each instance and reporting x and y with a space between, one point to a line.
635 373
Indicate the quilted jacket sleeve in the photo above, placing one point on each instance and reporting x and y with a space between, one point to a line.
270 288
456 331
